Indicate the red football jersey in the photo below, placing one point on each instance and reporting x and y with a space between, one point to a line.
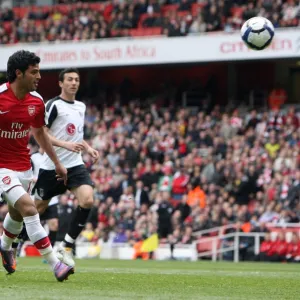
16 118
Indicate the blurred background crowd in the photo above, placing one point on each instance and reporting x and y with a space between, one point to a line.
79 20
177 171
168 168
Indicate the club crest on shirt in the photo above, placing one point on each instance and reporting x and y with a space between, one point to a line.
6 180
70 129
31 110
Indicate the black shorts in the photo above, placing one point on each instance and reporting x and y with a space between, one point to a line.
47 185
50 213
164 231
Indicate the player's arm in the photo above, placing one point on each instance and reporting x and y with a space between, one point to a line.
75 147
91 151
42 137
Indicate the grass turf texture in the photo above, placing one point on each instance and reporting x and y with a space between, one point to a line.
111 279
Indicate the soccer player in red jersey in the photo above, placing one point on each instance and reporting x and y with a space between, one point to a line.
21 110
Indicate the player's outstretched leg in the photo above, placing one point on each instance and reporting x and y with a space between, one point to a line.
23 236
11 230
24 207
40 239
84 194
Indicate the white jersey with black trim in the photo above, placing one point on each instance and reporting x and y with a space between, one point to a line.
36 161
65 121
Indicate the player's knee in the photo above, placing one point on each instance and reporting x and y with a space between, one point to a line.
87 202
24 205
28 210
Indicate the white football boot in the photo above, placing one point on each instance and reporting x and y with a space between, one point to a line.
65 255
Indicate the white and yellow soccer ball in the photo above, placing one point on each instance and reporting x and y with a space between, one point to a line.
257 33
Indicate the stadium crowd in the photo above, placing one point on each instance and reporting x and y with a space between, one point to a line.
74 21
195 171
176 171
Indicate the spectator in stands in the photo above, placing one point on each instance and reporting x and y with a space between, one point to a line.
278 250
264 250
87 234
213 19
7 15
293 248
179 184
118 18
198 25
196 196
250 11
141 196
277 97
184 5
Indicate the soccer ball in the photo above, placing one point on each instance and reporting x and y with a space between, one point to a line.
257 33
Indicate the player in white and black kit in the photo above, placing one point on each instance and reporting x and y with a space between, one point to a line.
65 122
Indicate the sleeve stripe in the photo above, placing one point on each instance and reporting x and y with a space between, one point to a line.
52 116
49 103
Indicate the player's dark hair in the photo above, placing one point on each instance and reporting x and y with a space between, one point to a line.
61 76
20 60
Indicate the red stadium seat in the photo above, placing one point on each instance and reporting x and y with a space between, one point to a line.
196 8
97 6
156 30
183 13
237 11
145 31
46 8
63 8
206 245
7 26
114 32
166 8
143 17
21 11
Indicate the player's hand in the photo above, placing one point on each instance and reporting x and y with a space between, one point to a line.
61 173
74 147
94 154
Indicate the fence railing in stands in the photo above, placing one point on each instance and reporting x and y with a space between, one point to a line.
217 251
221 229
213 239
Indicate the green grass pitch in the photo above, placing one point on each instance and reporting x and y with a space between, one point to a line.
175 280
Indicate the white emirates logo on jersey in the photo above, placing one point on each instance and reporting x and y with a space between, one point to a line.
31 110
70 129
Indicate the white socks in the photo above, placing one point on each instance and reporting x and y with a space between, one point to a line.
39 237
34 228
11 230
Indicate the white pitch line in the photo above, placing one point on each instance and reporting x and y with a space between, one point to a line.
265 274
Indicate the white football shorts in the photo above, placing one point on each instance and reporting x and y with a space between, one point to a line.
14 185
